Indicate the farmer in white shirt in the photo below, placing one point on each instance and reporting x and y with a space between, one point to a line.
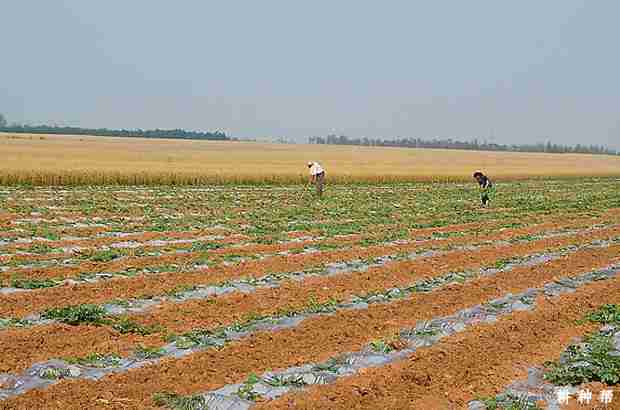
317 176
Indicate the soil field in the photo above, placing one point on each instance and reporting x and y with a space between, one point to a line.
382 296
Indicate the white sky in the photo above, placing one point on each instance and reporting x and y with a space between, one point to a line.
522 71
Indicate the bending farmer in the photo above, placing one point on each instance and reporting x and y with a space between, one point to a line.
317 176
487 189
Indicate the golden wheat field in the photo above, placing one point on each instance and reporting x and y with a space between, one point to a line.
66 160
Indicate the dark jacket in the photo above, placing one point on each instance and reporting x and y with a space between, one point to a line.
485 182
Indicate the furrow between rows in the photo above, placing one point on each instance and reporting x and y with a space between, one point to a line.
106 240
293 294
109 238
23 347
41 256
24 303
313 340
138 256
59 271
476 361
215 248
409 341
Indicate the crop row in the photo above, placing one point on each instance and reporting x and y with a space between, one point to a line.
402 346
424 334
23 346
479 360
315 339
126 262
142 243
591 363
276 211
23 303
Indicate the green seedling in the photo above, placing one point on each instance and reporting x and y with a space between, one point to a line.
380 346
283 381
205 246
587 362
96 360
52 373
427 332
4 323
332 365
179 290
23 283
78 315
246 391
40 248
104 256
511 402
176 402
121 302
608 314
147 353
125 325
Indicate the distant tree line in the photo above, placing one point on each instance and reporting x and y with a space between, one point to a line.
106 132
475 145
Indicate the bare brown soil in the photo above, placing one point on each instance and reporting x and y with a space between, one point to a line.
21 304
24 347
320 338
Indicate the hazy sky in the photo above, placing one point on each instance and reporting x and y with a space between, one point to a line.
522 71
